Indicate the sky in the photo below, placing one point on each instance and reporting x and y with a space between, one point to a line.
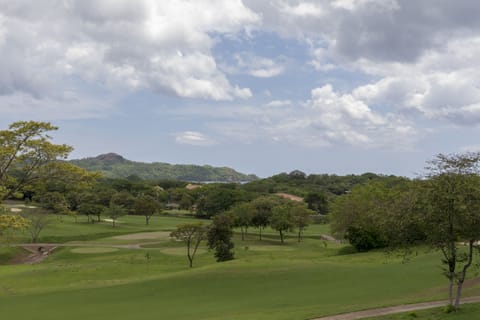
263 86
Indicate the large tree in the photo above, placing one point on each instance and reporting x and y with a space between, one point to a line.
147 206
192 234
219 237
451 206
282 219
27 155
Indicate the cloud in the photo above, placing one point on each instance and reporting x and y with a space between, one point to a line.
279 103
256 66
193 138
415 58
62 46
326 118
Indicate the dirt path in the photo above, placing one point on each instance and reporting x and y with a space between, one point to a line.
395 309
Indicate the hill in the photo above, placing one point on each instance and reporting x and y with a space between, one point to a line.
113 165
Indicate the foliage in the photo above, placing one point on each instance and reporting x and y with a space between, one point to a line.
27 155
38 221
114 211
242 214
115 166
192 234
371 215
282 219
220 237
146 206
11 223
451 213
262 211
301 217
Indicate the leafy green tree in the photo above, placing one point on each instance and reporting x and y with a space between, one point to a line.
451 204
301 217
317 201
242 214
362 216
192 234
114 211
11 223
124 199
27 155
220 237
147 206
262 211
282 220
90 210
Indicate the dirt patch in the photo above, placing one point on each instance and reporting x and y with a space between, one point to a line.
158 235
33 253
289 196
90 250
15 210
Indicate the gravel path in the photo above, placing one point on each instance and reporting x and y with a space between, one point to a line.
395 309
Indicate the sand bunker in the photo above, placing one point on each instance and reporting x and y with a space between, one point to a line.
93 250
158 235
15 209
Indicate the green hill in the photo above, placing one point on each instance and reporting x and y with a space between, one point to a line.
113 165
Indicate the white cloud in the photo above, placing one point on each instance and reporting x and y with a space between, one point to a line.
257 66
327 118
193 138
279 103
117 45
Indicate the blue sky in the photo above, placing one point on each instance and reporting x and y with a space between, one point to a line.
340 86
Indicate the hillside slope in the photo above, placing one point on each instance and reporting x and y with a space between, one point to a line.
113 165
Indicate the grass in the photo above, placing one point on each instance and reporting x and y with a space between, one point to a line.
265 281
466 312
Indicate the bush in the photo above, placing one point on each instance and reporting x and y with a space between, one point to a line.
364 240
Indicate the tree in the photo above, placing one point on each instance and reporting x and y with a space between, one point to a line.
242 214
124 199
282 219
301 217
220 237
146 206
262 212
37 222
10 223
451 204
317 201
91 209
114 211
363 215
192 234
27 155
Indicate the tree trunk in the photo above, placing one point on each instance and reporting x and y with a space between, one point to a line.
113 222
463 274
281 236
450 288
243 233
147 220
299 234
260 233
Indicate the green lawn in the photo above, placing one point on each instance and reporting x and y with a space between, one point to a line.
265 281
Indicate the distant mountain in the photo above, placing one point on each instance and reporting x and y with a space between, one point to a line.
113 165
